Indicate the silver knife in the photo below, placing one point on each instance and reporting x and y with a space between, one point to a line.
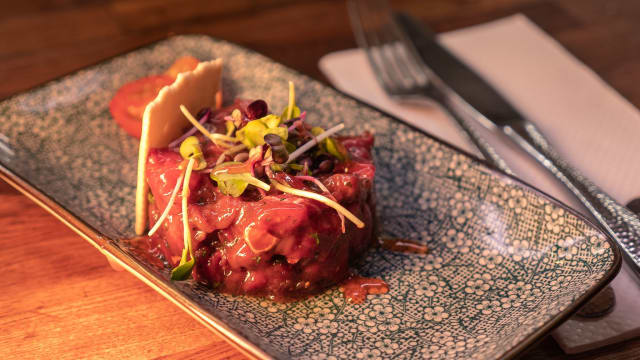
620 223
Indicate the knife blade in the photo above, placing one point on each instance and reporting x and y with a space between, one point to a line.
617 221
458 76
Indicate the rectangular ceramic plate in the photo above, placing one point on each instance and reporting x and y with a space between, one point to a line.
506 263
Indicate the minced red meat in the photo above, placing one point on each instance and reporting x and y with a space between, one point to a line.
298 245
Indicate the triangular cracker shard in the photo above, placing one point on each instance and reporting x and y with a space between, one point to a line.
163 122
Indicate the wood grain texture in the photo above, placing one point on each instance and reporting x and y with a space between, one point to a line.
60 299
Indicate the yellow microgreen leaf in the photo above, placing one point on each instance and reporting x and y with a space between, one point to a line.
236 115
230 186
190 149
252 134
272 121
183 271
235 184
335 148
230 127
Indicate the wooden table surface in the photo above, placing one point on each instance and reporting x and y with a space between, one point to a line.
60 299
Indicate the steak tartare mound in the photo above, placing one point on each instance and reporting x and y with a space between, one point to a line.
273 207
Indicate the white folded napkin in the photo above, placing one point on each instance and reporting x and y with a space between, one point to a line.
587 121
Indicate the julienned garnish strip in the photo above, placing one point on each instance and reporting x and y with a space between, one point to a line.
218 139
165 213
324 190
302 149
323 199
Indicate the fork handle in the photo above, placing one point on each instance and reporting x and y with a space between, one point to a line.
620 223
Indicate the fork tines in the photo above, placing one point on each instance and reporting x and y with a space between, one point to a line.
395 65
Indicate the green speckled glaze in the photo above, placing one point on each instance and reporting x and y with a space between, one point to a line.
504 260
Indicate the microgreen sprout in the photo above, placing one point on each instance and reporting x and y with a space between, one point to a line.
203 119
230 127
235 184
324 189
183 270
190 149
235 149
330 145
323 199
257 109
265 136
236 117
313 142
278 151
218 139
165 213
291 111
253 133
234 177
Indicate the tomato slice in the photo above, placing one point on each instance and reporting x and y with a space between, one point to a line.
183 64
128 104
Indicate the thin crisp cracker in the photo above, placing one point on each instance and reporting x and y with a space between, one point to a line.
163 121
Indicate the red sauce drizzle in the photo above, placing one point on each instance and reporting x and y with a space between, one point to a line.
404 245
356 288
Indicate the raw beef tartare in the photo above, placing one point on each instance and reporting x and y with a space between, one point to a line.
250 202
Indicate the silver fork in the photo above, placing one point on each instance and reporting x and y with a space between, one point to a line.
403 75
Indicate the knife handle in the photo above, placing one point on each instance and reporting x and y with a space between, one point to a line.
616 220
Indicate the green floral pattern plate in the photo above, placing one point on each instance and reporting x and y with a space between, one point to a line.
506 263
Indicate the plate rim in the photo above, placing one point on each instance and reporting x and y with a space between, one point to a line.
105 246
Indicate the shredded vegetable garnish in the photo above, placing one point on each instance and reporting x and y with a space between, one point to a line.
323 199
313 142
218 139
165 213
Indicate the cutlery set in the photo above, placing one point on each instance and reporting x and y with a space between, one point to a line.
409 62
